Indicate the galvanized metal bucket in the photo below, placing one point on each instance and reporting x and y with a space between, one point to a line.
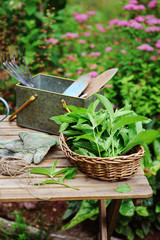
36 115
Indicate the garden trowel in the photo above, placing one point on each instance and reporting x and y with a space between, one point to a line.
77 87
99 82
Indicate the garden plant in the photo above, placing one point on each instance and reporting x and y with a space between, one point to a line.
71 42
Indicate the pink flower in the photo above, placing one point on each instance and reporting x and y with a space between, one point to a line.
68 74
75 13
70 58
149 40
114 21
145 47
94 74
149 16
153 21
95 54
82 41
157 45
133 2
86 34
152 4
93 66
83 54
140 19
108 49
152 29
123 23
153 58
53 41
66 43
88 26
100 28
123 51
91 13
130 6
92 45
140 7
81 17
71 35
79 72
158 51
134 24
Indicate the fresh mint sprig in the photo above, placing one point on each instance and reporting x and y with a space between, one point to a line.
67 172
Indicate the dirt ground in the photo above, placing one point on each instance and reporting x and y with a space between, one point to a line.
47 215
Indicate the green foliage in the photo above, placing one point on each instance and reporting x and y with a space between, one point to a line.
87 210
20 231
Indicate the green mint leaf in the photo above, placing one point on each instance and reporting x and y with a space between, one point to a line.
43 171
92 106
85 136
63 127
143 137
82 126
123 188
107 104
53 167
71 132
127 120
142 211
76 110
70 173
48 181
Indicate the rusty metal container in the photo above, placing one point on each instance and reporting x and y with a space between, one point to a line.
36 115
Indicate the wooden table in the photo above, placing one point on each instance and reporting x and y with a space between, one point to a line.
10 190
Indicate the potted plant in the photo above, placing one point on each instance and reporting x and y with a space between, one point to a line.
104 143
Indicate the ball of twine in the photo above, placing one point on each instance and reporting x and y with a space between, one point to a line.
12 166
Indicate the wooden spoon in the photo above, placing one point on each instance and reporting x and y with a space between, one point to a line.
99 82
77 87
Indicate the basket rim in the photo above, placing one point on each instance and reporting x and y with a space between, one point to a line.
62 137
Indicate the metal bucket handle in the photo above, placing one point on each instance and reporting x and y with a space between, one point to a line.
13 116
7 107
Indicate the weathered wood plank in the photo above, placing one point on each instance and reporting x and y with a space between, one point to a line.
62 193
112 214
80 180
102 220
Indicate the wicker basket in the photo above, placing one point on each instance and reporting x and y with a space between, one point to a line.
107 168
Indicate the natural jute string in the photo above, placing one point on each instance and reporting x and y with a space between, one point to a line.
18 169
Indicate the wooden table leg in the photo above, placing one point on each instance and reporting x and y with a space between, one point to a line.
112 214
102 220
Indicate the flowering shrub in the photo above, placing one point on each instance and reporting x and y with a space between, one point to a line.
132 44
